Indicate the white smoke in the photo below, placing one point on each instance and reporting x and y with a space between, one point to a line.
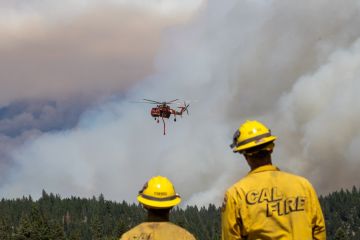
293 65
323 114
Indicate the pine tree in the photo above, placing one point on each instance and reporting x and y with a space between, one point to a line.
120 228
56 231
5 230
340 234
75 234
96 229
24 229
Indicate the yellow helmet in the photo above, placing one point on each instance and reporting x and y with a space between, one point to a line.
251 134
159 192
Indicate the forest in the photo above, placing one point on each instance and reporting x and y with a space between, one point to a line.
52 217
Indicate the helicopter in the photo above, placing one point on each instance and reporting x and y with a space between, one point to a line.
163 110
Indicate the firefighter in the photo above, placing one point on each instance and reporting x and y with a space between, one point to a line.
268 203
158 196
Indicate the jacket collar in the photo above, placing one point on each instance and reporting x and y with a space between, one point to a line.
264 168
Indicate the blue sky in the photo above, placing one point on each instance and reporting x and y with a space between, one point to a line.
69 74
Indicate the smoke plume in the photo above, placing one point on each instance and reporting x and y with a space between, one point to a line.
294 66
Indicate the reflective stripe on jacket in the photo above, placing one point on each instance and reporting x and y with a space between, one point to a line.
271 204
157 231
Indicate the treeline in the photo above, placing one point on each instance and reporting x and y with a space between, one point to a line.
342 214
52 217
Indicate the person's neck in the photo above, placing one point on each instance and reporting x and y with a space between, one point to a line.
158 216
255 166
255 163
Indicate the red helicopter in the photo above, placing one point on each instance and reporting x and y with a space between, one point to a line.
163 110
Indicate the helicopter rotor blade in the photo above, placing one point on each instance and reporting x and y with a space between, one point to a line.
143 102
186 108
152 101
169 102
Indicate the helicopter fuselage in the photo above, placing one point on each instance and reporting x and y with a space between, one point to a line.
161 111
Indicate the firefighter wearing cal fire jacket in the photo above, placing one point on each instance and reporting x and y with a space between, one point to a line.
158 196
268 203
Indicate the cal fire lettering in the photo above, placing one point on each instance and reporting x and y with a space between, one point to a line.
265 194
292 204
275 202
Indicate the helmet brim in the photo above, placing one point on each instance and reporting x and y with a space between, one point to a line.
159 204
255 143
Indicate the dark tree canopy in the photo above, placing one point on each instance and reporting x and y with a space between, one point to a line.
53 217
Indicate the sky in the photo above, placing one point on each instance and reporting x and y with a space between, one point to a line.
70 73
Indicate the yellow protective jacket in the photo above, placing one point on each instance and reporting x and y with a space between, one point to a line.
271 204
157 231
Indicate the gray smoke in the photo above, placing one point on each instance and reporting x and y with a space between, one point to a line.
59 59
89 50
292 65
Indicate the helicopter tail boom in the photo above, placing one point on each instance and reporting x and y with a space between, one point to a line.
183 109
